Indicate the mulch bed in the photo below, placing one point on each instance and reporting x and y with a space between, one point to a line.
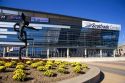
35 76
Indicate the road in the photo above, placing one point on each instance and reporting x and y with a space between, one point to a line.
112 72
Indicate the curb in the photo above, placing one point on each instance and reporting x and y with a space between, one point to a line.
92 76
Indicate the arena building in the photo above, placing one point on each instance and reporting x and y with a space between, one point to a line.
57 35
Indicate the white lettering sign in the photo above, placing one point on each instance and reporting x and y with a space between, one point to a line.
39 19
100 25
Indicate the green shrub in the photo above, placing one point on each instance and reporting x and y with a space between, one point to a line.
2 68
62 65
41 68
66 63
61 70
41 63
8 64
28 62
20 67
2 63
73 64
77 69
18 71
19 76
36 64
48 66
49 73
13 62
20 63
49 62
57 62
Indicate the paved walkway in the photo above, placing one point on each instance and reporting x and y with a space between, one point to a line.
89 59
114 72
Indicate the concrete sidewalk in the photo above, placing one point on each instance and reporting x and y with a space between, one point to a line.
89 59
113 78
77 59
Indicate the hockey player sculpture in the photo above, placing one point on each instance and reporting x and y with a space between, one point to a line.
22 35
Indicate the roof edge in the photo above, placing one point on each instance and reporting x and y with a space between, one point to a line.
12 8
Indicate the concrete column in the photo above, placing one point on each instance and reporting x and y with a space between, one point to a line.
60 53
67 52
100 52
32 50
48 53
54 52
4 51
85 51
114 52
26 52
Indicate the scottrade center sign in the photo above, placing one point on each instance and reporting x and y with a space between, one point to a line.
100 25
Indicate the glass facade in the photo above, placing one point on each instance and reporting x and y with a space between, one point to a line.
98 38
57 36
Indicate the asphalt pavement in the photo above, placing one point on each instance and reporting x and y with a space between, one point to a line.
112 72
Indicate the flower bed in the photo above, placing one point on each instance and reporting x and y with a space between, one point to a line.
43 71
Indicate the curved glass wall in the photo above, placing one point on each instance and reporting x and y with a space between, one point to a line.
58 33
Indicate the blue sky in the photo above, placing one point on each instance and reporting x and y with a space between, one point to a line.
112 11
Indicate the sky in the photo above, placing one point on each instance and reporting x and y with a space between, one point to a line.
109 11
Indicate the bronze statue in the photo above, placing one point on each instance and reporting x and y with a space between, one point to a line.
22 35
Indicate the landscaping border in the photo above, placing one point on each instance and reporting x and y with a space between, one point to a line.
92 76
